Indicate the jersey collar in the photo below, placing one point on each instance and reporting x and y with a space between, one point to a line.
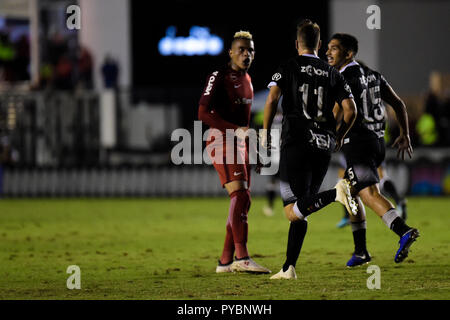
310 55
353 63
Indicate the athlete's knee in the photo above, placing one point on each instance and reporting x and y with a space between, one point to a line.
243 197
234 186
290 213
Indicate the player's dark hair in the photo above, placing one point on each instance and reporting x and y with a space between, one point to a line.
347 41
308 34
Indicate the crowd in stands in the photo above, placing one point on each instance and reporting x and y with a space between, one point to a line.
64 67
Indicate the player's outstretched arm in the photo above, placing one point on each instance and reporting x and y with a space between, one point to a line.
403 142
349 112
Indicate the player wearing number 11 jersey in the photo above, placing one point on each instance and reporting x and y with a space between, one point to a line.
364 148
310 90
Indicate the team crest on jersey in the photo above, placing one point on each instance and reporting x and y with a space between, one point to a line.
276 76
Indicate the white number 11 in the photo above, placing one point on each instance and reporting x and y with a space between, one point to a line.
319 92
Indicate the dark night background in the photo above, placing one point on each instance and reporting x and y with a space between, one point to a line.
180 79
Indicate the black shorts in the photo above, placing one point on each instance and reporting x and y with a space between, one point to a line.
302 170
363 159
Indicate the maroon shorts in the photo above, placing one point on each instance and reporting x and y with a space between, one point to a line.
231 164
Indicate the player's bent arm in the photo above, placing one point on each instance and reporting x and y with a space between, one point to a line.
389 96
214 120
338 112
403 142
348 118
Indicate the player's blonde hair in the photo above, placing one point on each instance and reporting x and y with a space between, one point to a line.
243 35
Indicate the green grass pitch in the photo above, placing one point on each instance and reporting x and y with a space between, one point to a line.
168 249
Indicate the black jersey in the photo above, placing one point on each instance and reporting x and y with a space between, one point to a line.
310 88
366 86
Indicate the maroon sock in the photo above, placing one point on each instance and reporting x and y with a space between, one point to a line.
240 203
228 247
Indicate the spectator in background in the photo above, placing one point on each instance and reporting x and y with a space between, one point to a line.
84 70
434 125
7 56
426 129
56 48
63 73
110 72
22 60
46 72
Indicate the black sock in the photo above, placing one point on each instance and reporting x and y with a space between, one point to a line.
310 204
359 238
297 232
399 226
390 190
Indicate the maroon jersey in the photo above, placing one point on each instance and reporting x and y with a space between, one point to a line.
226 100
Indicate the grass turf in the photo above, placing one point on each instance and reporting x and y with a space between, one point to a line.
168 249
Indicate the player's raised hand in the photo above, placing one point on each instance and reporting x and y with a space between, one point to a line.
403 143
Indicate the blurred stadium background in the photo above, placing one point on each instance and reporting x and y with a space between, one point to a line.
89 112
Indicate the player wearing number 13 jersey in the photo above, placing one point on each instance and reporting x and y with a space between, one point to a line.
364 148
310 90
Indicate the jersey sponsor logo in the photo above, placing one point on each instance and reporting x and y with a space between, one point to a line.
210 83
366 80
321 141
363 80
309 70
276 76
371 78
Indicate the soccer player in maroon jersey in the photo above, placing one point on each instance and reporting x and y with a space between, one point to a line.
225 104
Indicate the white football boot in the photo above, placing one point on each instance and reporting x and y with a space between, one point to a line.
289 274
344 196
248 265
268 211
222 268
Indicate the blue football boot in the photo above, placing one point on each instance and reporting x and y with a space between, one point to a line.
405 242
345 221
357 260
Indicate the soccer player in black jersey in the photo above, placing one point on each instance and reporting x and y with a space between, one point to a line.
310 90
364 148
